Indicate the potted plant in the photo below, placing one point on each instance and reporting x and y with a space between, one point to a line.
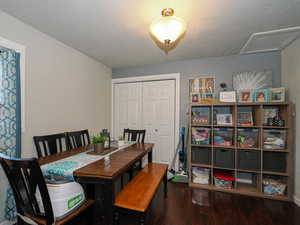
121 141
98 142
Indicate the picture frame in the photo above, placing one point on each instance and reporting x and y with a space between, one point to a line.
244 118
227 96
224 119
195 97
277 94
245 96
261 95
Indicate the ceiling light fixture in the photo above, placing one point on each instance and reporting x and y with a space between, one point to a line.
167 30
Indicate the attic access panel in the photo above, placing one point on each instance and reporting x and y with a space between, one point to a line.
274 40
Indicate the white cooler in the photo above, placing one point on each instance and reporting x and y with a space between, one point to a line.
65 196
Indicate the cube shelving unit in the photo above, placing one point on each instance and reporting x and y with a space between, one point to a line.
263 160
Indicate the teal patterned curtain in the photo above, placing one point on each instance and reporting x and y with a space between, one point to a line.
10 120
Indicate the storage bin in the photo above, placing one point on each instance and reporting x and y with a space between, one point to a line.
274 139
247 138
224 180
249 160
274 161
274 186
223 136
224 158
201 155
201 136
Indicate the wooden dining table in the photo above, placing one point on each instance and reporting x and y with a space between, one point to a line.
99 178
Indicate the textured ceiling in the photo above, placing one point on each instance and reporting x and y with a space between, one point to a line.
116 32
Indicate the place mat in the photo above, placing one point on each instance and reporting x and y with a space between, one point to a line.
65 167
106 151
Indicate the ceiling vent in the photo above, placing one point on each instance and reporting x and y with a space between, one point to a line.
274 40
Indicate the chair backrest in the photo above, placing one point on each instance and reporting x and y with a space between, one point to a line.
77 139
50 144
25 176
134 135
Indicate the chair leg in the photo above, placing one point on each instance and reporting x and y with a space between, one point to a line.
130 174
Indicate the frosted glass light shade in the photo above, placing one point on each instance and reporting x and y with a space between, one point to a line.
168 28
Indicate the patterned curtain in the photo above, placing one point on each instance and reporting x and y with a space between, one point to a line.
10 122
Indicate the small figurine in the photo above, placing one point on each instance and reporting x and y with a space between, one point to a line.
223 86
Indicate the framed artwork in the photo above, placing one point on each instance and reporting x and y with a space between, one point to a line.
245 96
252 80
261 95
224 119
203 85
194 86
244 118
227 96
277 94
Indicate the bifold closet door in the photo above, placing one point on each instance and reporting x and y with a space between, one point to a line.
127 107
148 105
158 117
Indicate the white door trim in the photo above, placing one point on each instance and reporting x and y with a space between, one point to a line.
22 50
297 200
159 77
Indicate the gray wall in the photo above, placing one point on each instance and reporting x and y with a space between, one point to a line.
291 80
220 67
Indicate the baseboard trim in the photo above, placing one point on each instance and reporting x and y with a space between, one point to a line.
297 201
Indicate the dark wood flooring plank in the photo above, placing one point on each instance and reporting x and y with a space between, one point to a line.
186 206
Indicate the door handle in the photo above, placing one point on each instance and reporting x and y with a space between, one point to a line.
156 130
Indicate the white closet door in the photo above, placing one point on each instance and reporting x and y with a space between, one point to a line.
158 117
127 107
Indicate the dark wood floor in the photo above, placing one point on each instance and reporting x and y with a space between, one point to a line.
186 206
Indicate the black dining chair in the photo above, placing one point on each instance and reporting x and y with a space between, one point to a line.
50 144
77 139
134 135
25 177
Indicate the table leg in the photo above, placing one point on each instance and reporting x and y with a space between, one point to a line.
98 207
166 185
150 157
142 219
108 201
